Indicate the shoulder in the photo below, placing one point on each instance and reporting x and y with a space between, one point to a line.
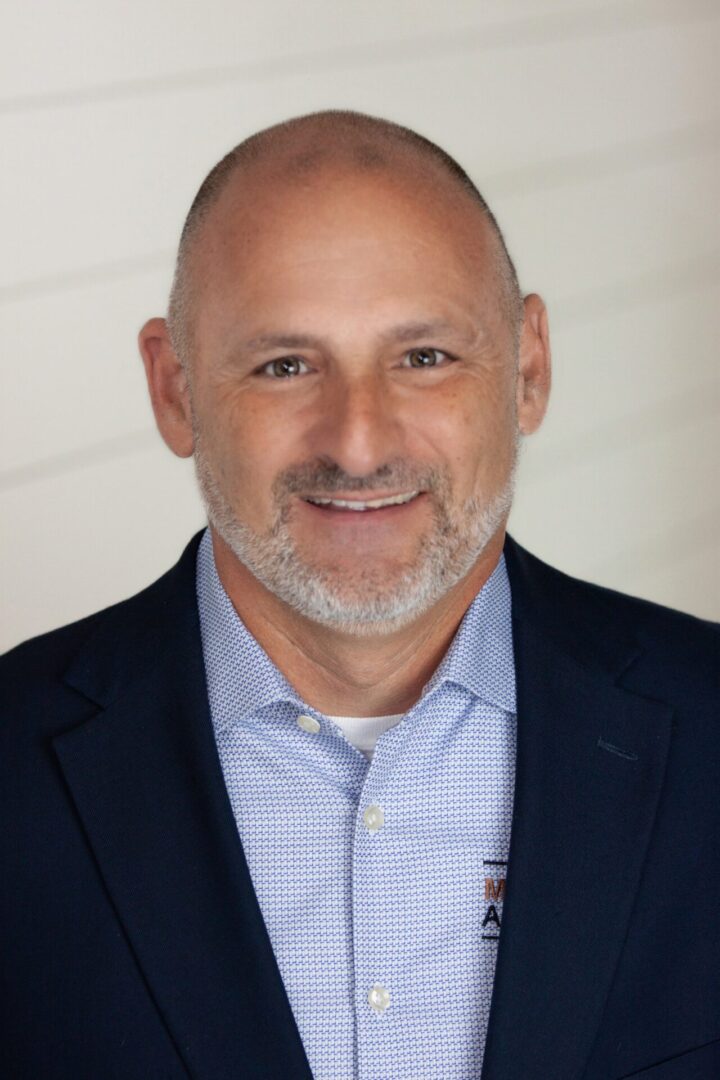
679 643
46 655
31 673
34 697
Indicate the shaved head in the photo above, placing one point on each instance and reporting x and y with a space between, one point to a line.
292 153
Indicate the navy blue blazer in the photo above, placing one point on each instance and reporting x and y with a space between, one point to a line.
133 946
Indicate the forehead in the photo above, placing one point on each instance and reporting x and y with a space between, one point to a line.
338 235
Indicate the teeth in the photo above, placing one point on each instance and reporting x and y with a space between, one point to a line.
372 505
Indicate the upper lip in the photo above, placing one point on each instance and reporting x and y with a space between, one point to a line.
360 497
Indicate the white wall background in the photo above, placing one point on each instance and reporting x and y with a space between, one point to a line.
591 127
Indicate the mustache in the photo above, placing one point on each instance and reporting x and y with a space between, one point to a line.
302 481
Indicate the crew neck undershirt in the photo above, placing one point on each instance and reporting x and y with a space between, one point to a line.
364 731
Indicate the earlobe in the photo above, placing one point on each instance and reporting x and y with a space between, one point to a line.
168 387
534 366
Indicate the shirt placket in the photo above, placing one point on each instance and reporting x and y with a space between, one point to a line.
379 994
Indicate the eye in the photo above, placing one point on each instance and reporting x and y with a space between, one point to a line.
282 368
426 357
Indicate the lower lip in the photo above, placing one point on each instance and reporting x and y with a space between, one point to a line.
384 514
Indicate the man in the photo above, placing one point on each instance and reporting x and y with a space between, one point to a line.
360 788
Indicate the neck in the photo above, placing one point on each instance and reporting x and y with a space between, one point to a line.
342 674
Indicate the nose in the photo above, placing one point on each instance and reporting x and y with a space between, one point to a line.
360 425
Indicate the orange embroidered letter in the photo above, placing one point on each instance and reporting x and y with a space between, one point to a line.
494 891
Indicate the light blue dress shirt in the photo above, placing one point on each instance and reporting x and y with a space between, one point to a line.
381 883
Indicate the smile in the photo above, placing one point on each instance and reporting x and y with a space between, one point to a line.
371 504
347 513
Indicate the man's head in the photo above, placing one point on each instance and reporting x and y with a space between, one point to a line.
345 321
295 150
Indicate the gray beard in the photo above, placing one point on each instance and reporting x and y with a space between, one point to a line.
372 599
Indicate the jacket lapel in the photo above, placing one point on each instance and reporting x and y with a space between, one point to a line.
590 766
146 781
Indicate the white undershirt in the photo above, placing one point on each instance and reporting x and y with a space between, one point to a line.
364 731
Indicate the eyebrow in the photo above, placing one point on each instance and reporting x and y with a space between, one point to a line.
409 331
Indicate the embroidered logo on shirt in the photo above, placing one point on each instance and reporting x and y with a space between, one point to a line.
494 896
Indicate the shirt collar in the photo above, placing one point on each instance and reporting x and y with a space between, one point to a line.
242 678
480 657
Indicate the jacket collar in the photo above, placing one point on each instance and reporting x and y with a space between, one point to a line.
590 765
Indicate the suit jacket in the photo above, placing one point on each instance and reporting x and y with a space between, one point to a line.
133 946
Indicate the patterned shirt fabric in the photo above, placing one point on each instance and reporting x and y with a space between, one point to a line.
380 882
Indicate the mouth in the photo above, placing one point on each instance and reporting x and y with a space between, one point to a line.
363 513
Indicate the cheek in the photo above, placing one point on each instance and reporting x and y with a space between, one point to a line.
250 448
224 444
480 438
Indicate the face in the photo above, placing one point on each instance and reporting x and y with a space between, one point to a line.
349 344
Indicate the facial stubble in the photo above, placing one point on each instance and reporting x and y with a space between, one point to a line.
374 595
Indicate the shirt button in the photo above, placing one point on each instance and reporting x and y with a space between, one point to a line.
379 998
374 818
308 723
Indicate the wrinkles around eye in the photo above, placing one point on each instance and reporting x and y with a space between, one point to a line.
267 370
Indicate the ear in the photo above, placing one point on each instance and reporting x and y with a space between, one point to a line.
533 377
168 385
